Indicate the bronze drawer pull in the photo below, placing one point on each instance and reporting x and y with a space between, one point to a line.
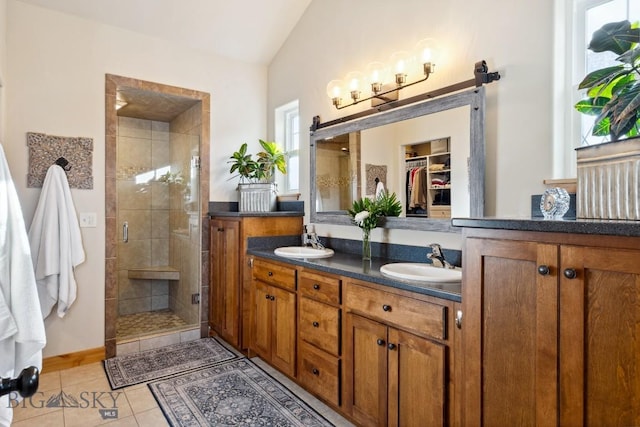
391 346
380 341
570 273
315 324
270 273
316 286
386 307
543 270
315 371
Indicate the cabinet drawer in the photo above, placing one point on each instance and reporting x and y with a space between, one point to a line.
320 287
278 275
408 313
320 325
440 212
319 373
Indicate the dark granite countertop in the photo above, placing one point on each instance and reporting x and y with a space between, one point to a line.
351 265
242 214
230 209
576 226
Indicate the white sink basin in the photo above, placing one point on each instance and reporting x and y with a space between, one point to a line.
421 272
303 252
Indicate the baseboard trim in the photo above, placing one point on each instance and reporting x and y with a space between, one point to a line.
71 360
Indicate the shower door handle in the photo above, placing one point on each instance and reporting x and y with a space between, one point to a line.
125 232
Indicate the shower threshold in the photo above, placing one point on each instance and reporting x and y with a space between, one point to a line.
137 325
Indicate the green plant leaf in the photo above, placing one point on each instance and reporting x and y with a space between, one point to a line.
630 57
389 204
625 111
603 76
243 164
271 158
591 106
616 37
601 127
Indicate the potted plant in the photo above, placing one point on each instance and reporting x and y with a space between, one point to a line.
257 189
605 185
613 93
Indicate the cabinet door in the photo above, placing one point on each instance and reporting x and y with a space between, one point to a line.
283 341
230 265
261 331
599 337
417 381
510 333
224 304
366 370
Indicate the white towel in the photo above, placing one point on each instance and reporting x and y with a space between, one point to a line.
379 189
56 243
22 341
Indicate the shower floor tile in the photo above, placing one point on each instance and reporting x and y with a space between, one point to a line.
134 325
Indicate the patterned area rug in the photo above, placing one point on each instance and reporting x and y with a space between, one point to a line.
235 393
130 369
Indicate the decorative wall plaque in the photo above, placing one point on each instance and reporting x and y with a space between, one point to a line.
45 149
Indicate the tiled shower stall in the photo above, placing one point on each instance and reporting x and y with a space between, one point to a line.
158 217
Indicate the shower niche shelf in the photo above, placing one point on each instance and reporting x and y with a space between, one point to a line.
155 273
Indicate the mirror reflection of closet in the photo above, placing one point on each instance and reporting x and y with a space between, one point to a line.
428 179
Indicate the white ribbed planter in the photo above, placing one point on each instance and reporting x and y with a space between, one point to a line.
257 197
609 180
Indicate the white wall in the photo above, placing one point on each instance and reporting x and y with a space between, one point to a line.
513 36
55 84
3 65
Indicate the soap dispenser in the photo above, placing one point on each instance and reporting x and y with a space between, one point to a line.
305 236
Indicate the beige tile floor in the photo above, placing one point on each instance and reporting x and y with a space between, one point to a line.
135 405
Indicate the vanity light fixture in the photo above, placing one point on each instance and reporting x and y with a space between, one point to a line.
385 101
386 80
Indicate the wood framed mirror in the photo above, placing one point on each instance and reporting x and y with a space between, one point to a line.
349 159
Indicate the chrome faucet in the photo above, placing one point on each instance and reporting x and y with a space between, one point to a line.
314 241
311 239
437 257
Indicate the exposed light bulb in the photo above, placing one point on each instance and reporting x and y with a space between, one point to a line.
400 63
334 91
377 75
355 82
427 52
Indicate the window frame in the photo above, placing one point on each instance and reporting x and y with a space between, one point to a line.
569 55
286 132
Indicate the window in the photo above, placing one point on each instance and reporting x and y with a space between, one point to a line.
288 135
576 25
591 15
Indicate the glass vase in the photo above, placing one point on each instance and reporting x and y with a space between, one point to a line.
366 244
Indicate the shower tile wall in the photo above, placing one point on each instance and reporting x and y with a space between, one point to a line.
184 214
142 148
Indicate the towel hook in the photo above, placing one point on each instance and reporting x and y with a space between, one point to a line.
63 163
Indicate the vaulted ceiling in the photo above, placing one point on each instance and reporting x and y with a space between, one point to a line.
248 30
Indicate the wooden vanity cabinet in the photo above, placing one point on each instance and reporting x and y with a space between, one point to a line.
319 334
398 357
273 333
230 274
551 329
